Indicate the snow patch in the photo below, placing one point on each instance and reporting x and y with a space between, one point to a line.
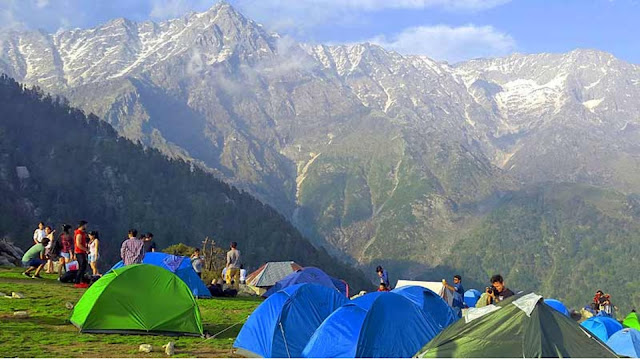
592 104
592 84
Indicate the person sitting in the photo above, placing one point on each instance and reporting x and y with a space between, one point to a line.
216 289
34 259
497 292
243 274
383 287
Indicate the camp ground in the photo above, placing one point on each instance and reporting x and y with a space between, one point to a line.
115 317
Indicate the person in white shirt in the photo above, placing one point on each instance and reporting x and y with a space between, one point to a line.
243 275
224 275
39 234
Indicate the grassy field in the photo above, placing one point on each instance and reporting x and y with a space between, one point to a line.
48 333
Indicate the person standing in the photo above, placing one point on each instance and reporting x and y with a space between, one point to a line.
80 245
49 233
39 233
233 266
65 248
132 250
383 277
94 243
34 258
149 244
458 293
196 262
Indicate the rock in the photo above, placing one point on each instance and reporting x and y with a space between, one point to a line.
170 348
20 314
5 262
17 295
69 305
145 348
9 250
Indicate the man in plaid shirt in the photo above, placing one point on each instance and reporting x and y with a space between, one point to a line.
132 250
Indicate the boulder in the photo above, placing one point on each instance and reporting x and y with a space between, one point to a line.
4 261
147 348
10 255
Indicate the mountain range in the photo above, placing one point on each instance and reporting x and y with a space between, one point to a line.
376 156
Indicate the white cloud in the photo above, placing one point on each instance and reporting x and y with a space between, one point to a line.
453 44
42 3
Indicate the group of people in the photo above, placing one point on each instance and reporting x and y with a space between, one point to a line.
602 302
82 247
493 294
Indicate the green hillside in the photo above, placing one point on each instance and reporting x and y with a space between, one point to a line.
79 168
563 240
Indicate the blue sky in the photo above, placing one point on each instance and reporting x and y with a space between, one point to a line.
451 30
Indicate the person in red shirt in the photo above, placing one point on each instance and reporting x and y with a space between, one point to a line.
80 242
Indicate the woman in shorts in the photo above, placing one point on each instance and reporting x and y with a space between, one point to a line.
94 242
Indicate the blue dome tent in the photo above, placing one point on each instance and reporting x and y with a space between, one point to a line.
558 306
179 265
471 297
602 326
625 342
380 324
282 325
430 303
311 275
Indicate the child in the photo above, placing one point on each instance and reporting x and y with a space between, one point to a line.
93 251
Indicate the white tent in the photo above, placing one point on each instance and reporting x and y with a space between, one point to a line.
435 286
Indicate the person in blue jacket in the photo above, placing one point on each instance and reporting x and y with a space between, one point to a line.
383 277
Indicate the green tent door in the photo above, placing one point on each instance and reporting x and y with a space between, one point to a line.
138 299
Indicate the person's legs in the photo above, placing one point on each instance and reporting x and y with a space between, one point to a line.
61 265
236 278
29 270
82 267
37 273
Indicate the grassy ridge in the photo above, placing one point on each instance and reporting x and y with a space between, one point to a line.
48 333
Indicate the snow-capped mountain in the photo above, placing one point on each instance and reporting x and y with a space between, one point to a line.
362 147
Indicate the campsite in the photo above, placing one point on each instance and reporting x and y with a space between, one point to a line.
135 310
48 333
319 179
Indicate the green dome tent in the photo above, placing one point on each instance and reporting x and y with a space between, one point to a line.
631 321
138 299
521 326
